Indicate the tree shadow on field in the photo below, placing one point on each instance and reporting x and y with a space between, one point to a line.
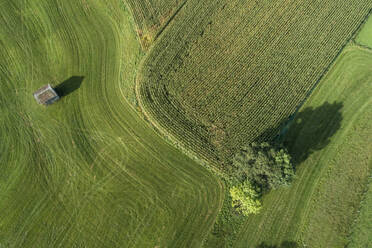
284 244
310 130
68 86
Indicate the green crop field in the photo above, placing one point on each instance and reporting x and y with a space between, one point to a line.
365 35
141 78
229 72
87 171
330 140
152 15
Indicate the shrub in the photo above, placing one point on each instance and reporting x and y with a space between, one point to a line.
264 165
245 198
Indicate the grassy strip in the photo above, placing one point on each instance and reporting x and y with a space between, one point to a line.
329 140
226 228
365 35
361 235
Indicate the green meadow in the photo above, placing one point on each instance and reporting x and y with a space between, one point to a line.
88 171
365 35
329 140
139 79
361 235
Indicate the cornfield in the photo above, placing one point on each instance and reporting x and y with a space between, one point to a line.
151 15
231 72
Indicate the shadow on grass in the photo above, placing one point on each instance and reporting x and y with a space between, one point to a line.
285 244
310 130
68 86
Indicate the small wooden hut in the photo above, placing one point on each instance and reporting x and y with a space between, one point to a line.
46 95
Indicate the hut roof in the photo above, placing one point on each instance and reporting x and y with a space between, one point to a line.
46 95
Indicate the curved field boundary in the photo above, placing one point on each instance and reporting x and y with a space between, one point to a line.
216 83
149 103
151 17
321 205
88 171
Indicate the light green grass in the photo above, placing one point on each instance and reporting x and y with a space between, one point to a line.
365 35
362 231
330 137
88 171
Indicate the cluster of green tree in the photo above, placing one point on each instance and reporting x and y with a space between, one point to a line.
257 169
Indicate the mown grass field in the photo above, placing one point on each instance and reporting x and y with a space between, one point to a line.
362 231
226 73
361 234
330 142
365 36
88 171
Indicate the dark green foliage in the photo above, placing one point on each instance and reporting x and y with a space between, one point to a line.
245 198
228 222
285 244
264 165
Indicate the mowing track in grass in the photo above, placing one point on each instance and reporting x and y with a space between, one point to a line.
321 205
87 171
361 235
